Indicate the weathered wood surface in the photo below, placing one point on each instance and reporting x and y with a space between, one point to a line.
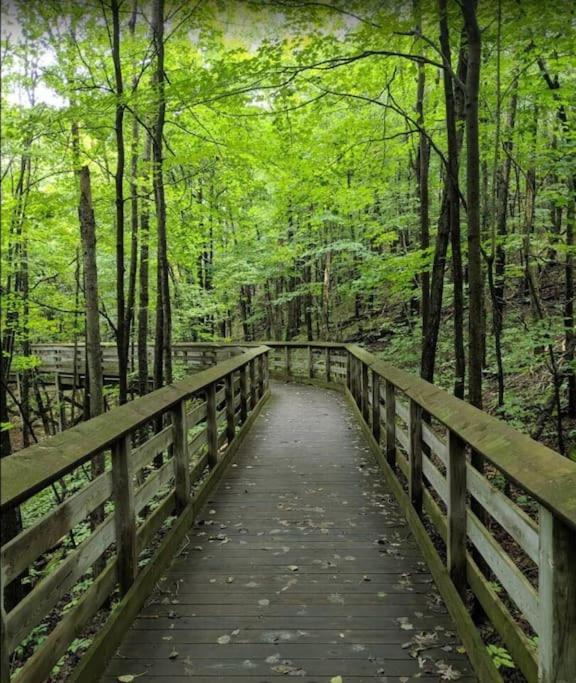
543 473
301 564
34 468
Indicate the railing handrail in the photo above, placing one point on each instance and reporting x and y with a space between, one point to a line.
34 468
108 345
543 473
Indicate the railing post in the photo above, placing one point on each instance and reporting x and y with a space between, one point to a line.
124 513
181 460
349 370
376 406
243 394
260 376
390 406
456 511
364 392
288 370
415 456
4 654
327 364
355 379
557 599
211 425
230 421
310 362
253 397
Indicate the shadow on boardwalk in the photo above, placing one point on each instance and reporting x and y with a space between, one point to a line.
301 565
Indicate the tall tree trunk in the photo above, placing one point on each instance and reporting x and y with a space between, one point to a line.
453 192
448 222
93 341
326 294
121 336
423 163
11 521
497 263
570 340
163 309
475 308
134 209
143 289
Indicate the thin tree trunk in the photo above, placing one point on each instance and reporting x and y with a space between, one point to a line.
93 342
143 280
569 337
475 308
448 224
121 321
163 309
423 164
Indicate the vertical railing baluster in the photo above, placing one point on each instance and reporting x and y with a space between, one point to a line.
364 407
124 512
456 511
230 413
327 363
243 394
376 406
349 370
287 359
261 376
253 397
390 408
415 456
557 599
211 425
181 458
310 362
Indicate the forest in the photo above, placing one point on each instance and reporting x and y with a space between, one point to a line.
396 174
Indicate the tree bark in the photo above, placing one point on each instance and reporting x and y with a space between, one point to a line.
93 341
475 308
163 309
423 164
143 280
121 321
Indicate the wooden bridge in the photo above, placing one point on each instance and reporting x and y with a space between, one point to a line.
336 525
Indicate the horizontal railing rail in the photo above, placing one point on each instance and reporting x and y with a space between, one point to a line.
157 458
71 358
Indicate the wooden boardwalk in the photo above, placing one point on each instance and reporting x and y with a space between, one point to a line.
301 565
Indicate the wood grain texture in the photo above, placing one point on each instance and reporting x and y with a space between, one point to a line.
302 560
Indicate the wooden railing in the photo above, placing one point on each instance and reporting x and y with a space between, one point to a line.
162 455
319 361
68 358
504 533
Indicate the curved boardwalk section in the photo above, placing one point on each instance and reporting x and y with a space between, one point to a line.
301 565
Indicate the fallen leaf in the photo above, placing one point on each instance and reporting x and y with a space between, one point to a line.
447 672
173 654
224 640
336 679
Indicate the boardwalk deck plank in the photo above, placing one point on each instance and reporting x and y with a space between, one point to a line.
301 565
